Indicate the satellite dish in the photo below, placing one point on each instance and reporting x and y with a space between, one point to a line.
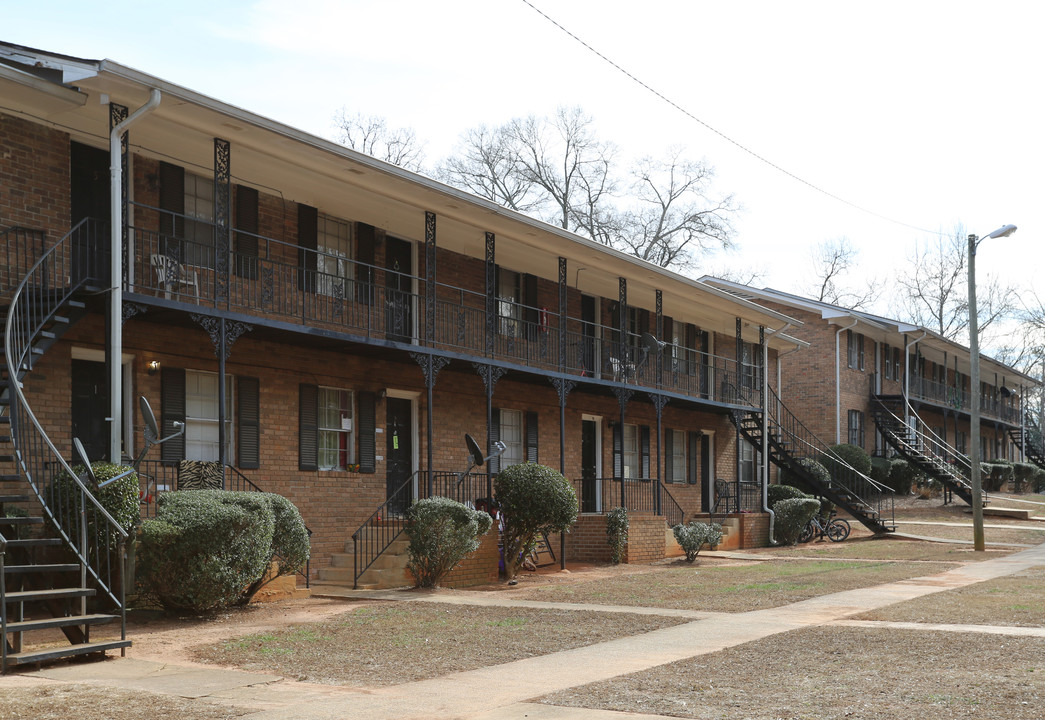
85 461
152 430
474 450
651 344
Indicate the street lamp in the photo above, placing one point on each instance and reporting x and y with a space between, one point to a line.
974 382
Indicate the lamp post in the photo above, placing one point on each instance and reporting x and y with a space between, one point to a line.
974 382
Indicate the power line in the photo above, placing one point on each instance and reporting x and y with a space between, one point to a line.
721 134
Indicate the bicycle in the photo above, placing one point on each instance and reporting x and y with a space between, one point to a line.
835 529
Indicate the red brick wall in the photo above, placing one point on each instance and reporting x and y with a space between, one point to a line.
587 542
34 177
479 568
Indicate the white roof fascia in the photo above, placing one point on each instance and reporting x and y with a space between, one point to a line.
75 98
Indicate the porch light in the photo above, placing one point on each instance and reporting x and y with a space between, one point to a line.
154 367
974 386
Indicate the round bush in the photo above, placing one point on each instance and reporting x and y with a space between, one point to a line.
692 537
1021 476
853 455
1037 481
881 468
792 516
776 493
534 499
119 498
904 476
807 467
442 533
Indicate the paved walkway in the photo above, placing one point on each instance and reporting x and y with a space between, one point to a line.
504 691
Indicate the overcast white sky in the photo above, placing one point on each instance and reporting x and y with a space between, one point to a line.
925 113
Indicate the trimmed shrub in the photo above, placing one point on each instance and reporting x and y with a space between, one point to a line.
120 499
693 536
442 533
1037 481
854 455
904 476
995 475
881 468
776 493
534 499
617 533
201 553
811 466
1021 476
792 516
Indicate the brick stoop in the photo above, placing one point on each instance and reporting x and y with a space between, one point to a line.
388 571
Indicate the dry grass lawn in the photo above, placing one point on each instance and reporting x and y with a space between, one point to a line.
886 548
397 643
732 588
62 702
837 673
1013 600
1011 535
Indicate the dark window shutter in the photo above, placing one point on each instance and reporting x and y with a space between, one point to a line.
248 423
643 321
172 409
693 456
367 432
366 239
669 460
644 449
532 437
308 427
618 450
172 199
494 466
247 232
308 239
669 329
531 314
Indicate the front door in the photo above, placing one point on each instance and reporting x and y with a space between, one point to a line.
589 466
90 407
89 198
399 320
399 452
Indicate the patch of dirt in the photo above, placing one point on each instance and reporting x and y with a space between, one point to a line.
83 702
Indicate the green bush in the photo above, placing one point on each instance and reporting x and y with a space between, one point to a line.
776 493
791 518
996 475
534 499
442 533
119 498
693 536
810 466
904 476
880 470
617 533
1021 476
209 549
1037 481
853 455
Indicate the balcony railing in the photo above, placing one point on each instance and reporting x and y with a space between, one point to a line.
960 399
284 282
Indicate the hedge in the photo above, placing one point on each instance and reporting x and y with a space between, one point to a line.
442 533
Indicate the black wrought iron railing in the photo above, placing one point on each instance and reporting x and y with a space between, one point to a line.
961 399
96 538
637 495
273 278
22 247
381 529
669 507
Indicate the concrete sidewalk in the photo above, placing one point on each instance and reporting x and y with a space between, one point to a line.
503 691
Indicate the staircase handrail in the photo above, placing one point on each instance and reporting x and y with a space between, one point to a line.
674 507
382 511
820 446
959 458
19 336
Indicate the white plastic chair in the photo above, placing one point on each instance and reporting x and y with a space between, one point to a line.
173 276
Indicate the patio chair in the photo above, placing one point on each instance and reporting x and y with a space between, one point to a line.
173 276
725 494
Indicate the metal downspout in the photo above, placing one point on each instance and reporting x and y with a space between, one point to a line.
838 379
765 427
116 275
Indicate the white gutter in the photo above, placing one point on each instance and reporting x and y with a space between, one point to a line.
765 427
116 276
907 376
838 380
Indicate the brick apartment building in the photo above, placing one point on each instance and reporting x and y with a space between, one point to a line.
328 326
855 357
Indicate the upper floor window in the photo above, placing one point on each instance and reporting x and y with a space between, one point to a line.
855 347
334 256
750 365
509 311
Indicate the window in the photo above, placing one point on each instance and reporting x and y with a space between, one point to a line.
631 452
679 457
334 256
201 416
887 362
508 308
750 363
960 441
336 429
855 348
860 350
512 437
747 462
896 363
199 221
856 428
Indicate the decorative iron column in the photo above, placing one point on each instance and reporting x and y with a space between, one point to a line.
491 294
222 219
562 314
223 335
429 277
659 401
490 374
430 366
623 395
660 355
622 324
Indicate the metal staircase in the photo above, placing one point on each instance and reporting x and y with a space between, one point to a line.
792 446
57 547
924 449
1029 440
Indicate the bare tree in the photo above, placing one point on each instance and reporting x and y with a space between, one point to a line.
933 290
371 135
832 260
487 164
